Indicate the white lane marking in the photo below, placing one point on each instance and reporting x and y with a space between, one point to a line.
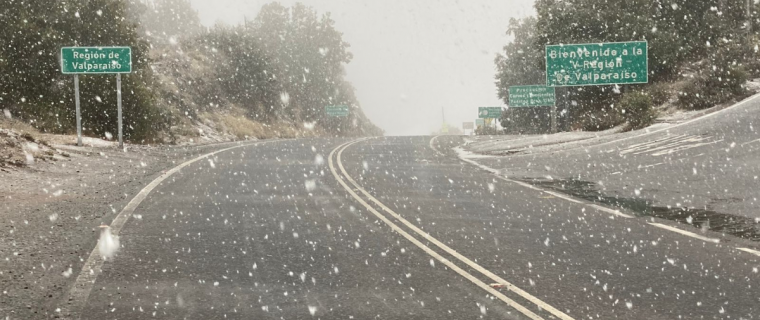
668 145
649 144
672 145
94 263
432 146
610 211
530 186
651 165
562 196
684 232
467 261
748 142
755 252
598 207
684 147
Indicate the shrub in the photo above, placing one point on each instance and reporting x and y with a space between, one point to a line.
487 131
595 112
714 87
636 109
659 93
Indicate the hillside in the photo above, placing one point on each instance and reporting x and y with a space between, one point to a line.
269 77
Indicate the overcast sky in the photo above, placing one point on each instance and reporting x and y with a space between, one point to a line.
412 58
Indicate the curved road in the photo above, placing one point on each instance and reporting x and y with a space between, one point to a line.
390 228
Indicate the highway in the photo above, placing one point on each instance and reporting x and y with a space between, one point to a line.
398 228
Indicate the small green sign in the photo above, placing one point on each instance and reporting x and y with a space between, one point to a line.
480 122
531 96
337 111
489 112
595 64
97 60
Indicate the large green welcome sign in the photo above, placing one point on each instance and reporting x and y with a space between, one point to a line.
597 64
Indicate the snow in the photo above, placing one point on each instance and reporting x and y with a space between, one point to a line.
108 244
516 143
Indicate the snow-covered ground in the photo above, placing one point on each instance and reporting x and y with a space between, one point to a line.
528 144
506 144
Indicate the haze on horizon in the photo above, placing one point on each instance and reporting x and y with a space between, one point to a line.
413 60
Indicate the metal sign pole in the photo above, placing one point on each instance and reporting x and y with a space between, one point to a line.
554 118
118 104
79 111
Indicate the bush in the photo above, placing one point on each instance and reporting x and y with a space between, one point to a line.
659 93
594 108
533 120
487 131
636 109
714 87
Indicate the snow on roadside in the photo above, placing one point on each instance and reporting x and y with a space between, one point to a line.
516 143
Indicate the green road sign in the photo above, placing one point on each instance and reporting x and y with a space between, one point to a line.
596 64
489 112
337 111
81 60
531 96
480 123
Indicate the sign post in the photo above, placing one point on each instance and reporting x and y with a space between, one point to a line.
468 126
337 111
489 112
531 96
79 111
96 60
535 96
118 107
594 64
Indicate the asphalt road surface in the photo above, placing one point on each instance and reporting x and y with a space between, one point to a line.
395 228
712 163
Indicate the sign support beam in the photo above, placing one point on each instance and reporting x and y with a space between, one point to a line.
96 60
118 106
79 110
554 118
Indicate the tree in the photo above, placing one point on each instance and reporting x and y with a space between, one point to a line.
679 32
170 20
32 86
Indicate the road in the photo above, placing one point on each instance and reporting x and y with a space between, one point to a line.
394 228
706 169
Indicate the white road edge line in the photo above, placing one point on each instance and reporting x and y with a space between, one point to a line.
84 282
684 232
748 250
592 205
598 207
555 194
433 146
468 262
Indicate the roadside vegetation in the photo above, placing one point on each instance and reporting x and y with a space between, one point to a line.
270 76
700 55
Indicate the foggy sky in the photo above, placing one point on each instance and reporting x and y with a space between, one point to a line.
411 58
